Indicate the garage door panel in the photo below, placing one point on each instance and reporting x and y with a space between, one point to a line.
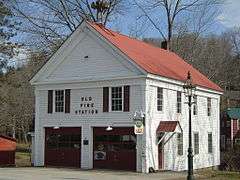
63 147
118 148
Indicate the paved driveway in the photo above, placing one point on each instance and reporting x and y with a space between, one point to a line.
76 174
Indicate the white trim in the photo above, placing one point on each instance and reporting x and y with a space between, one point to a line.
86 80
110 99
54 101
180 83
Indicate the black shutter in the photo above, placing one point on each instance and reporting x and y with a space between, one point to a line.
50 101
67 100
105 99
126 98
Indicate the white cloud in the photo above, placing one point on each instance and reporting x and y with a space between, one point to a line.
230 15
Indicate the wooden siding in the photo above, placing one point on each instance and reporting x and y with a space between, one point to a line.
89 59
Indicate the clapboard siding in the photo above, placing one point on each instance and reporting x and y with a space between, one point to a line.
87 122
89 59
201 123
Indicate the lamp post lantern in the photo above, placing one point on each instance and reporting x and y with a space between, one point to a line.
189 89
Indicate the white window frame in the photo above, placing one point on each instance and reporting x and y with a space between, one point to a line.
195 105
178 144
209 108
211 143
160 99
194 143
54 100
181 108
110 99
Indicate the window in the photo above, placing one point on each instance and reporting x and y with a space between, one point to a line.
63 141
59 101
195 105
196 143
117 99
209 142
159 99
180 144
228 123
209 106
179 102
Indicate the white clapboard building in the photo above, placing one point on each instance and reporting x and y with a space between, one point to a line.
93 88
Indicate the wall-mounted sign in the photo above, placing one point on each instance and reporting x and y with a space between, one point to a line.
99 155
138 127
87 106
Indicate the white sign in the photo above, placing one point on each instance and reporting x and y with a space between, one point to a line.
138 127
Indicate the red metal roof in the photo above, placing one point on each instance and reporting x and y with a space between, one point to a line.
7 143
154 60
167 126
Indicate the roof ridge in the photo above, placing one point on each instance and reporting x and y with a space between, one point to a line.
141 41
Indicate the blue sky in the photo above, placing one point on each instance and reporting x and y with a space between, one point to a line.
228 17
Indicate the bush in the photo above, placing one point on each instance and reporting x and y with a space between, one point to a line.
230 160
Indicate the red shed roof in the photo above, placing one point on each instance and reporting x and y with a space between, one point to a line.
154 60
167 126
7 143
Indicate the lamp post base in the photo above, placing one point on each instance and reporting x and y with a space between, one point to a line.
190 165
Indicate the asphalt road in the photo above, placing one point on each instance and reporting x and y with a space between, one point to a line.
76 174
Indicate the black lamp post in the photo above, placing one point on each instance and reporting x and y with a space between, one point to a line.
189 89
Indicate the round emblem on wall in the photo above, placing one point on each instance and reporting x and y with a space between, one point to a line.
138 124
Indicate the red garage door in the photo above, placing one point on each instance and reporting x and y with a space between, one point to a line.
115 149
63 147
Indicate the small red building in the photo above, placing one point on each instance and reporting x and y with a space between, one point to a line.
7 151
230 128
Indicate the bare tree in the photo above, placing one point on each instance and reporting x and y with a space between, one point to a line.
49 22
159 11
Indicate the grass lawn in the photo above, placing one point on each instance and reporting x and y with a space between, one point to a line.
217 175
22 155
22 159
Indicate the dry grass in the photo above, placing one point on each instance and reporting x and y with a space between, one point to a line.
22 159
217 175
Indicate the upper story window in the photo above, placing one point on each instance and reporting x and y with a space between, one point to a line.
209 106
180 144
117 98
179 102
196 143
195 105
59 101
159 99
